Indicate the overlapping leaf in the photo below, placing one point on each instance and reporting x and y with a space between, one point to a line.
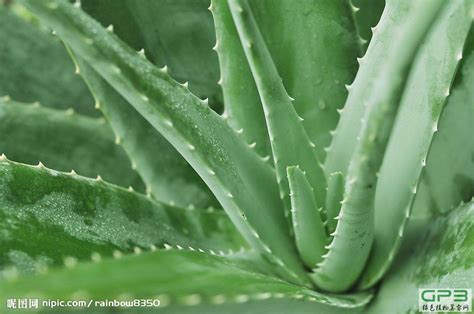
64 141
36 68
48 216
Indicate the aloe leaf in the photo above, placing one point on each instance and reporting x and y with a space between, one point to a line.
241 181
344 138
453 145
63 140
242 101
334 198
290 143
169 178
423 99
354 233
155 25
165 275
48 216
435 253
314 76
367 15
318 87
35 67
310 234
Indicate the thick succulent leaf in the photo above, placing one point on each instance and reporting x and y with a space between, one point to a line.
333 199
354 233
243 108
176 33
436 253
423 99
47 216
345 135
165 275
169 178
36 68
453 145
289 141
64 140
310 233
241 181
314 76
367 15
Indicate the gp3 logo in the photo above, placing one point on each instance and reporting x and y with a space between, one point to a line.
440 295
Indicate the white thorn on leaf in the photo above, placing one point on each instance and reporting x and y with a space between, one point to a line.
70 261
95 257
192 299
117 254
110 28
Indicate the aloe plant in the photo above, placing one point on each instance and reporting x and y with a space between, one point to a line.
309 165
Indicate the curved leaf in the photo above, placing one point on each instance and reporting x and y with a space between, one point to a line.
169 178
345 135
310 233
156 26
36 68
423 98
63 140
165 275
367 15
239 179
453 145
436 253
313 76
47 216
289 141
354 234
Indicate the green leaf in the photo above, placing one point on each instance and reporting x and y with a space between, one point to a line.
47 216
165 275
452 145
436 253
239 179
35 67
170 179
289 141
242 101
64 140
423 98
314 76
345 135
334 198
156 26
310 234
354 233
367 15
